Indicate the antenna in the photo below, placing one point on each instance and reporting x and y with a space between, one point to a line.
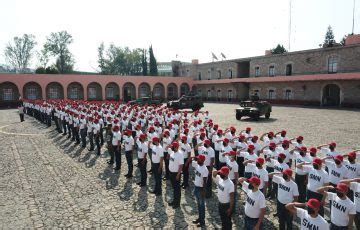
353 22
290 1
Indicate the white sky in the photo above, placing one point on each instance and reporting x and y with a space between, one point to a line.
190 28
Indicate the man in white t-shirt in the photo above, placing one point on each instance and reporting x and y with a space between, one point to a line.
259 171
287 192
209 154
337 171
310 218
249 156
342 208
254 204
128 141
116 145
186 150
300 174
201 176
355 188
353 169
141 153
176 162
225 193
157 156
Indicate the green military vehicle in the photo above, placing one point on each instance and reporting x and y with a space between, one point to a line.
145 101
253 108
190 101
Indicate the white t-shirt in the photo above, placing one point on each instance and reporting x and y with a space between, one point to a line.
255 201
307 222
166 142
96 128
175 160
224 188
260 173
356 188
217 144
340 209
128 142
353 169
157 153
248 156
142 149
336 173
268 153
209 154
186 149
327 152
298 160
224 150
316 178
286 189
233 166
279 167
200 173
116 138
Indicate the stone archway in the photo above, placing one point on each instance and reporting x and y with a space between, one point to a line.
144 90
54 90
331 95
32 91
75 91
129 92
112 91
94 91
184 89
159 91
172 91
9 92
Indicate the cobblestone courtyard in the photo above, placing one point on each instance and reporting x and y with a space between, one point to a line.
46 181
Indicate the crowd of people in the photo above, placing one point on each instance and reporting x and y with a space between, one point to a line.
178 146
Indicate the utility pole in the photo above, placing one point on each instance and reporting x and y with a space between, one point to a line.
353 22
289 32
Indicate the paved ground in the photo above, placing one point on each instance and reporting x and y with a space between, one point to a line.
47 182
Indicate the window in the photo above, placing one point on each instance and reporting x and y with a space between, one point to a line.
188 73
171 92
199 75
92 93
219 95
157 91
74 93
332 65
218 74
209 74
288 70
272 71
8 94
271 94
230 73
230 95
110 92
288 94
208 94
256 92
143 91
31 93
54 93
199 92
257 71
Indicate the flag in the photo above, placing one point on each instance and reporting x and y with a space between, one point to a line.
214 56
223 55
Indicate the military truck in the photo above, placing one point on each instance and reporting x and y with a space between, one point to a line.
145 101
189 101
253 108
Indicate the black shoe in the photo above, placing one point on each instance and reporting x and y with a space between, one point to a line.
152 192
196 221
185 186
201 224
128 176
171 203
117 168
149 171
158 194
91 149
142 185
175 206
110 162
275 214
138 183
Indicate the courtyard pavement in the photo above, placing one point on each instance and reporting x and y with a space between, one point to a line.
48 182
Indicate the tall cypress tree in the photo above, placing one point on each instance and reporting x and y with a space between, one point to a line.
144 64
153 64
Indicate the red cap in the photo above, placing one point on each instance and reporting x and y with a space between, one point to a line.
248 129
201 157
142 136
232 153
282 155
339 157
166 132
342 187
226 140
285 142
313 203
151 128
317 161
313 150
255 138
283 132
155 139
251 147
184 138
272 144
216 126
219 131
300 138
352 154
332 144
232 128
303 149
224 170
207 142
260 160
288 172
242 137
116 128
202 134
175 144
271 133
254 180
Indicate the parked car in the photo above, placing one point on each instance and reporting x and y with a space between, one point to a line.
253 108
145 101
193 102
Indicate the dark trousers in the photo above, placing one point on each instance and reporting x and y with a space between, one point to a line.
69 127
301 183
318 196
21 117
64 126
335 227
251 222
143 173
217 159
97 142
56 121
285 217
225 218
167 172
185 172
176 187
247 175
129 160
201 203
240 161
209 183
48 120
274 190
83 137
117 154
157 176
270 187
102 136
91 140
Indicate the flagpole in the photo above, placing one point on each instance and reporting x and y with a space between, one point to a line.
353 22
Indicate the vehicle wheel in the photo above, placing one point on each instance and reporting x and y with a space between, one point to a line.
238 116
256 118
267 115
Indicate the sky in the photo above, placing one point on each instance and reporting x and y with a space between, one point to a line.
191 29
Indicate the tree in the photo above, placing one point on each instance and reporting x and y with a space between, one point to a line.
144 63
329 38
43 58
153 64
57 46
19 53
279 49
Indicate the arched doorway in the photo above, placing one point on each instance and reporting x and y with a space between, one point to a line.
172 91
9 92
54 90
112 91
159 91
129 91
32 91
75 91
331 95
94 91
144 90
184 89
